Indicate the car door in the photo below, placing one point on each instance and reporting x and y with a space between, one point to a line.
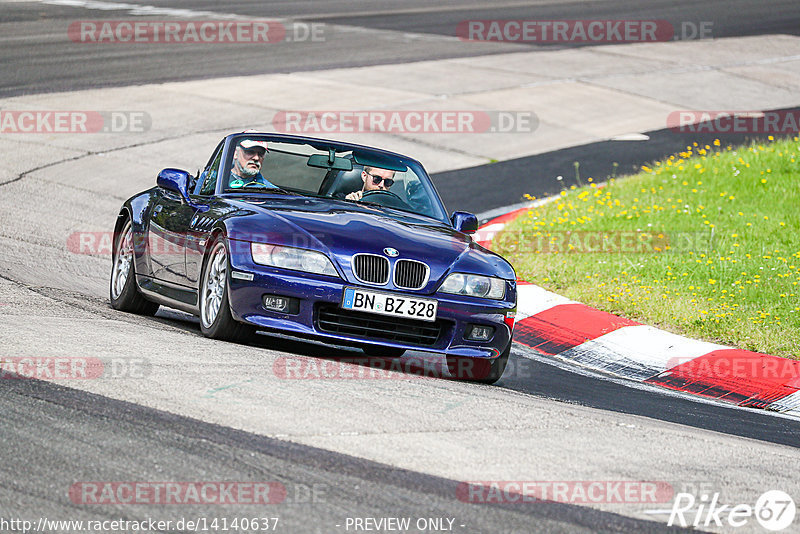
169 225
201 223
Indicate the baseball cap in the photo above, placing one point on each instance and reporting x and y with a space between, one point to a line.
252 143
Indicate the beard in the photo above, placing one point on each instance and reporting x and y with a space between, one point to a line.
246 172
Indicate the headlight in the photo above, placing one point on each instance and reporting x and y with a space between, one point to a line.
296 259
474 285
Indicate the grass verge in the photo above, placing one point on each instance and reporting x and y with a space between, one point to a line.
704 243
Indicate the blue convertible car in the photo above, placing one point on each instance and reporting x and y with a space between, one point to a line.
322 239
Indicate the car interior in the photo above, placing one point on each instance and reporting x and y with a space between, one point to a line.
338 184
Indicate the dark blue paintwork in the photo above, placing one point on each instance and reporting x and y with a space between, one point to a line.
173 232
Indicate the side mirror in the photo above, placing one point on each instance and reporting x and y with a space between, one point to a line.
175 180
464 222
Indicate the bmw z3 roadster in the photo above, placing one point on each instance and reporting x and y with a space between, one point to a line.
317 239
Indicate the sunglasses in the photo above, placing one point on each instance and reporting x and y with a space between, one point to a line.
378 179
253 152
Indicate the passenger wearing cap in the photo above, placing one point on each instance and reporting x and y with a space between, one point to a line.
248 157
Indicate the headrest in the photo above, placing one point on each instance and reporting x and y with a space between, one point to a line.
347 182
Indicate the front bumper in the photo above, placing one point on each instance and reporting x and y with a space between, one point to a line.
320 315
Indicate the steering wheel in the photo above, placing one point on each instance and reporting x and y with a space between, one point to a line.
384 198
381 192
249 184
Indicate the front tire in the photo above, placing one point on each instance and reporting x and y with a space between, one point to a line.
216 320
479 370
125 296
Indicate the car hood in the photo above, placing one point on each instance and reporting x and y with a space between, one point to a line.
342 229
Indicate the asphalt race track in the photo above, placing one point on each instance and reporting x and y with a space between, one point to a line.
173 406
386 32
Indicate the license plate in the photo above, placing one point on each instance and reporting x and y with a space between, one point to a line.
389 304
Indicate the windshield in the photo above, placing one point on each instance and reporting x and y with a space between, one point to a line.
258 165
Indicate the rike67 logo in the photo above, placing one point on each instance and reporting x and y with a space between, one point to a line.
774 510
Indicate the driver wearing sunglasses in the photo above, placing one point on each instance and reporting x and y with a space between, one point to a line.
375 179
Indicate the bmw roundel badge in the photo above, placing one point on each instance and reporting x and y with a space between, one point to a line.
391 252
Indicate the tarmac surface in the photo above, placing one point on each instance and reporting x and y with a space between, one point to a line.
186 408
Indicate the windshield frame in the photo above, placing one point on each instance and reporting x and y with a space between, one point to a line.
323 145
